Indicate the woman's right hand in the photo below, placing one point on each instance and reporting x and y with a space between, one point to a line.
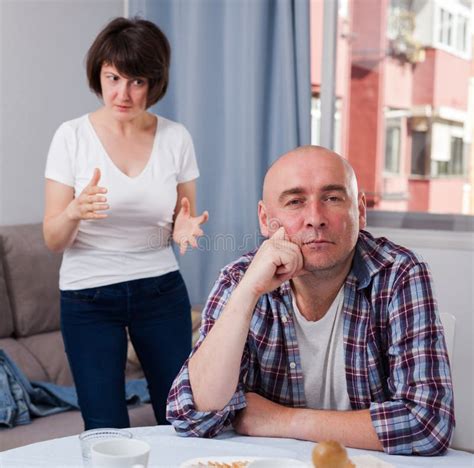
90 202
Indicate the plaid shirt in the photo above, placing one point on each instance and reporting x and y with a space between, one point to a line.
396 361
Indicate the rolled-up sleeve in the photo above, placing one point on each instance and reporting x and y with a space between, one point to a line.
181 411
419 417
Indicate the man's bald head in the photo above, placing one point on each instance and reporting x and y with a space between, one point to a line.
305 157
312 192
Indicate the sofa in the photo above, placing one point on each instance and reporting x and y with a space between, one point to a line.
30 335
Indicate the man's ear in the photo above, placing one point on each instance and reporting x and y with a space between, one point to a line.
263 219
362 210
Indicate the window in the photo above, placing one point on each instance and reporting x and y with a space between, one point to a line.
462 34
447 147
418 153
454 166
316 123
445 27
452 28
392 145
343 8
315 120
399 19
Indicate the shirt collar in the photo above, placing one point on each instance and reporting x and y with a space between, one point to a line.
369 259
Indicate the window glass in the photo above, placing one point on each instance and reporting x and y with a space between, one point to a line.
316 123
446 27
418 153
392 146
315 120
462 34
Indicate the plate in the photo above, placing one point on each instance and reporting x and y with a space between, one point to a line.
360 461
219 462
278 463
369 461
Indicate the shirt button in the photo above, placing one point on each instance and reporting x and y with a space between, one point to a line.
284 319
292 365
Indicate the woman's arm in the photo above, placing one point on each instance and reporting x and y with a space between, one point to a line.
63 212
186 228
186 190
59 230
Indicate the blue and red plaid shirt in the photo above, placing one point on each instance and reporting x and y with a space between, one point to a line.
395 354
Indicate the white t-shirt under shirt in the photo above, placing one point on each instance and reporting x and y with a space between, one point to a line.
134 241
321 346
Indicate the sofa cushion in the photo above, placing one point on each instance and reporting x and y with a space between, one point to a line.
6 319
32 278
48 348
24 359
62 425
49 427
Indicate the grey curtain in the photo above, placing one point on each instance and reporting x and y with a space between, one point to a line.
240 83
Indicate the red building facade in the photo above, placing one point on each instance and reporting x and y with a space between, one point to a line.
403 70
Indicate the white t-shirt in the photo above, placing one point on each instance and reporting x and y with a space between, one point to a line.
321 347
134 241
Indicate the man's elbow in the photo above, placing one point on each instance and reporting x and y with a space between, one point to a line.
427 437
185 428
193 430
434 441
432 449
187 425
434 446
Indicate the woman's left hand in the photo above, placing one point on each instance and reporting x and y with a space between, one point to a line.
186 227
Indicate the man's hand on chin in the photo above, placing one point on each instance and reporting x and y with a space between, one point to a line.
262 418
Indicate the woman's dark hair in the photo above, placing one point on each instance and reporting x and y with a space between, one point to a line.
136 48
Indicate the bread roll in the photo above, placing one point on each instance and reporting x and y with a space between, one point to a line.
331 454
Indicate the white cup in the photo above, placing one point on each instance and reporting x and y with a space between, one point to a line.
92 436
120 453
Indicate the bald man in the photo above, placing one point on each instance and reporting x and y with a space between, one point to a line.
324 332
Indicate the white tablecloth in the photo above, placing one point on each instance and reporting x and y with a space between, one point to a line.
169 450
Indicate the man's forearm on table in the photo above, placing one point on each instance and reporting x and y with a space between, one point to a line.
350 428
215 367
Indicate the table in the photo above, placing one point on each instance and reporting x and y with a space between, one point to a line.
169 450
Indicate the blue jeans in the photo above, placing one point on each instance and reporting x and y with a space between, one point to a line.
156 312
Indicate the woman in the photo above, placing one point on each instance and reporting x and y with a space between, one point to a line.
115 179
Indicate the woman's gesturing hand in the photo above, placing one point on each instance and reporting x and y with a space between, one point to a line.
90 201
186 227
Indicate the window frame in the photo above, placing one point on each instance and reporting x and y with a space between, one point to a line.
457 12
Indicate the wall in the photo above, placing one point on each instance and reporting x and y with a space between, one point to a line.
451 258
446 195
424 21
423 79
431 78
398 83
419 194
42 83
455 71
